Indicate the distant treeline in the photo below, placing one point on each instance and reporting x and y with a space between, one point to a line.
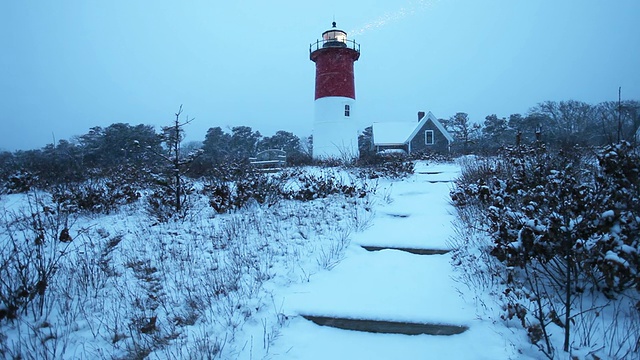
137 150
561 124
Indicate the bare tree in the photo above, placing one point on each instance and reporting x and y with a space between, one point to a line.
178 162
567 123
462 129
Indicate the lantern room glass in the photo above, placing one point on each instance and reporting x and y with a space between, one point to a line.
334 35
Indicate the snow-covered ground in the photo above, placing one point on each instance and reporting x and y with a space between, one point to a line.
394 285
235 286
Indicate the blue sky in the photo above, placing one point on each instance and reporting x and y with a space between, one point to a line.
66 66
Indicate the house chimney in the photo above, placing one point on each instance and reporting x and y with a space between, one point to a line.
420 115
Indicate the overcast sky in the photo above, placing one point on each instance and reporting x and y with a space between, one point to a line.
66 66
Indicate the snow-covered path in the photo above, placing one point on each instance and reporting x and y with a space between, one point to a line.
392 285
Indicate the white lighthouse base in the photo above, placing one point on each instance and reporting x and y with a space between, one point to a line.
335 133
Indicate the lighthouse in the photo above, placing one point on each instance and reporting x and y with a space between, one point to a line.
335 126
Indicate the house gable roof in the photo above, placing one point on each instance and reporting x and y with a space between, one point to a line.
435 122
398 133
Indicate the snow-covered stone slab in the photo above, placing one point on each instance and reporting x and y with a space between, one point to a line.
384 285
430 176
448 170
305 340
415 231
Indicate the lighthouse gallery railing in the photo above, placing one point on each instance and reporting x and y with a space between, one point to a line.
322 44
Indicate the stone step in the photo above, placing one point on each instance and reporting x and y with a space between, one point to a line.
397 215
409 250
387 327
439 181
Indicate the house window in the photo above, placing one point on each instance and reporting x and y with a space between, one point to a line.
428 137
347 110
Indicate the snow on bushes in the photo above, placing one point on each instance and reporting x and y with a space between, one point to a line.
563 225
269 189
97 196
393 166
79 284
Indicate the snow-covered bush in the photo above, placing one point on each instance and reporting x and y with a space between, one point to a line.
333 162
96 196
254 186
565 228
614 247
431 156
270 188
220 196
231 170
164 202
259 187
198 288
309 186
392 165
19 182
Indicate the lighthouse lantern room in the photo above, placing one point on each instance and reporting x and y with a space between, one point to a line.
335 128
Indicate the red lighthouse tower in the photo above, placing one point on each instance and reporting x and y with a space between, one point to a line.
335 130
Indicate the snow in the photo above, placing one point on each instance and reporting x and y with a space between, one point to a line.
627 249
395 286
392 132
613 257
382 285
607 214
313 261
400 132
312 342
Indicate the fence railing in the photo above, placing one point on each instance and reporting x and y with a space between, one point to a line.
323 44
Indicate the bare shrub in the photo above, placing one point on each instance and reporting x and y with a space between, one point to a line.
34 240
135 290
332 253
